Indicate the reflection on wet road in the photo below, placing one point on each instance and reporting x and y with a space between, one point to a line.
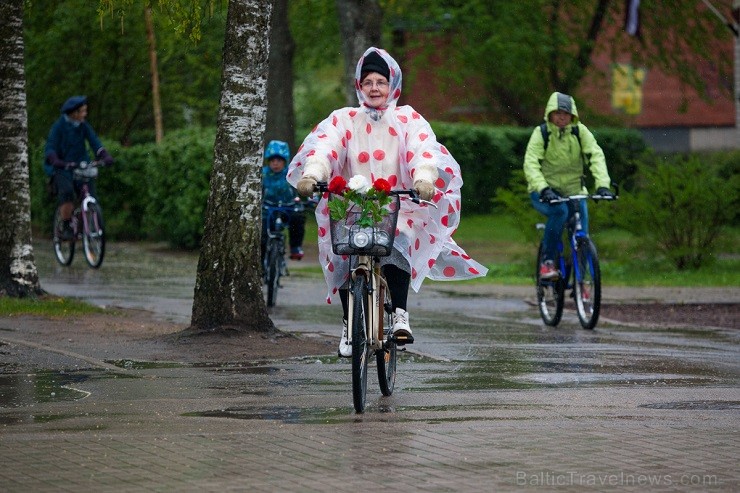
473 343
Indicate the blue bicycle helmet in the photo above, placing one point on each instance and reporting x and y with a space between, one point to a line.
277 148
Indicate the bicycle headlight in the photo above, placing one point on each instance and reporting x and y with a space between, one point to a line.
359 239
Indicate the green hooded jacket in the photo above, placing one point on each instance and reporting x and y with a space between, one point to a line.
560 167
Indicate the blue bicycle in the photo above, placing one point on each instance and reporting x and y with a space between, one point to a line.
580 272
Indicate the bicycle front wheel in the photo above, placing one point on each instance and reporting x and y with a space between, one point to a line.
550 294
64 250
273 271
360 347
386 357
93 237
587 284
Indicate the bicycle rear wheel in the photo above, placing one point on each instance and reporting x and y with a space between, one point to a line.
64 250
93 237
360 347
587 284
273 271
550 294
386 357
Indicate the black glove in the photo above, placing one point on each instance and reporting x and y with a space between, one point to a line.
103 156
548 195
605 193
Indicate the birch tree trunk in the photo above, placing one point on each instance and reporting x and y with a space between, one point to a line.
228 286
360 23
280 115
18 274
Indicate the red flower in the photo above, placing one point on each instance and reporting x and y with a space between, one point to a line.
337 185
382 185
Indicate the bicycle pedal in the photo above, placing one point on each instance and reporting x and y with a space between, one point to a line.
402 340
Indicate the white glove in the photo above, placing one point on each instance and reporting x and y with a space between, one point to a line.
425 189
305 186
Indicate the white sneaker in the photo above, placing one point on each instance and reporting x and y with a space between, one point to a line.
401 324
345 348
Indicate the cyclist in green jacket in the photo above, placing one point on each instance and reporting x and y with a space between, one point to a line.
557 152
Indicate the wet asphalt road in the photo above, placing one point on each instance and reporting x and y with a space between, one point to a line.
489 399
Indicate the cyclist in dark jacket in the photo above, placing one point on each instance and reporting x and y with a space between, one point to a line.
65 149
276 189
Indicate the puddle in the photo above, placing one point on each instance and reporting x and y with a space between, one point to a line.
283 414
602 378
146 365
696 405
26 389
378 411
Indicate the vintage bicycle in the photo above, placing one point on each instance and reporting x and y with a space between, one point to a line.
580 272
86 223
370 305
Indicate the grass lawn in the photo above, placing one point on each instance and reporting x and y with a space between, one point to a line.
47 306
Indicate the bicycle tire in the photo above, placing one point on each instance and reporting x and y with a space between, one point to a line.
93 236
550 294
387 357
64 250
587 284
360 347
273 271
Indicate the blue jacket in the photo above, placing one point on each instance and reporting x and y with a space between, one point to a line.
275 186
67 141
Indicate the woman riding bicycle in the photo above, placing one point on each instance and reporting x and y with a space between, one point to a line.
277 190
65 150
553 166
382 140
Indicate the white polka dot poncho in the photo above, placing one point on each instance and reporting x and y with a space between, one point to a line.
398 144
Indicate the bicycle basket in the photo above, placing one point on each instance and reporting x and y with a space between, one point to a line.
348 237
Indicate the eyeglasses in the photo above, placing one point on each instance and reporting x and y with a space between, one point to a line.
368 84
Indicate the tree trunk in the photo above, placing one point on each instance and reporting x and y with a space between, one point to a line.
228 286
18 274
280 115
153 67
360 23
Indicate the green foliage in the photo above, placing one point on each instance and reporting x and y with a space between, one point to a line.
75 52
680 207
178 187
514 200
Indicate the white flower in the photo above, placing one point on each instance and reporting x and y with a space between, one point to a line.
359 184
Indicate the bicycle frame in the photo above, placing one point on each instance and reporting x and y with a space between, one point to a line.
87 199
575 230
369 267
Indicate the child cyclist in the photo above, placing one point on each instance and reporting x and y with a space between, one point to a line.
276 189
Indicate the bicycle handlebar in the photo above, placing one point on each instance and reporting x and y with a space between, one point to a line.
580 196
322 187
